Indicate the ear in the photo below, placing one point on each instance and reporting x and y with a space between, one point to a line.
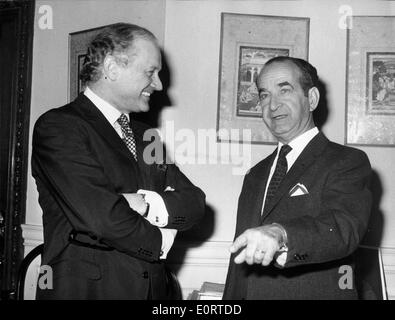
314 98
110 67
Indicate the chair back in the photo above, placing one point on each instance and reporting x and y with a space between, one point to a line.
369 274
23 269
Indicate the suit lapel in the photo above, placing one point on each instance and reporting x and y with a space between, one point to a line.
138 131
313 149
258 191
98 121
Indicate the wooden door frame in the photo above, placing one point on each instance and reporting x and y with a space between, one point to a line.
19 142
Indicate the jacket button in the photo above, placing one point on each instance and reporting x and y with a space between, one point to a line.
145 274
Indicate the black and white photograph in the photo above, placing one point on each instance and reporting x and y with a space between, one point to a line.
191 157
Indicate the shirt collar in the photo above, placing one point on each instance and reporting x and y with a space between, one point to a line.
111 113
299 143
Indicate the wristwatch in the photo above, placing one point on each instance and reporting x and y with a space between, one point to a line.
283 242
145 215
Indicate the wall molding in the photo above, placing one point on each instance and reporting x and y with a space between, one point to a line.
195 263
32 235
215 252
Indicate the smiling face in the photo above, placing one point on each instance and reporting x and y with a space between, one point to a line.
286 110
136 81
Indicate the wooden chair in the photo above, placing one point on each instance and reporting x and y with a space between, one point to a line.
23 269
369 274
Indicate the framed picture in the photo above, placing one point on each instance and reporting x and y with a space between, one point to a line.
380 86
247 43
370 85
78 45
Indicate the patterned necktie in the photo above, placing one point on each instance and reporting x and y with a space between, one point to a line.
279 173
128 136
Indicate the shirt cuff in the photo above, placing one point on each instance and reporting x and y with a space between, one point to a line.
157 214
281 257
168 236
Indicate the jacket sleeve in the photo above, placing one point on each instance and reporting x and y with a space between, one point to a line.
186 203
61 157
336 231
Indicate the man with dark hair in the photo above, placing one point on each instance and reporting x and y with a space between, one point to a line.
303 210
110 211
308 77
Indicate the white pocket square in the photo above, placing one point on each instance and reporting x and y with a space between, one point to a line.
168 188
298 190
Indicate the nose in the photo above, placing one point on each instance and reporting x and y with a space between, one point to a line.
157 83
274 103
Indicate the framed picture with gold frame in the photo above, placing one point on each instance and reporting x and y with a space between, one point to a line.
247 42
370 84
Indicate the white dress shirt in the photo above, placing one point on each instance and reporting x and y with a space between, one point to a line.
298 144
158 214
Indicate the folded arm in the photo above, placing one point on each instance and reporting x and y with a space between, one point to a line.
62 157
150 205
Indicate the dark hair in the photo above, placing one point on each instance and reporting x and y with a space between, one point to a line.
115 40
308 74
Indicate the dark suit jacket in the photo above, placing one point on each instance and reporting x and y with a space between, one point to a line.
324 227
81 166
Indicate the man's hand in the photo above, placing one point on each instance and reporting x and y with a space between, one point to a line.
259 244
136 202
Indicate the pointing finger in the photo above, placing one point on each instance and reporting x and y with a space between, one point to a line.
240 242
